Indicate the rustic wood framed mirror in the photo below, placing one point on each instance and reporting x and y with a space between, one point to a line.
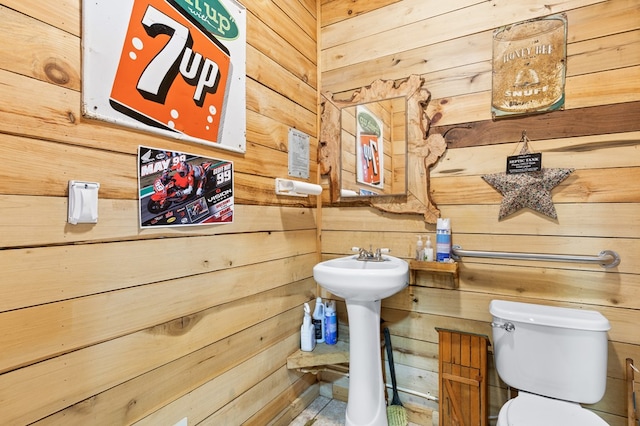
397 110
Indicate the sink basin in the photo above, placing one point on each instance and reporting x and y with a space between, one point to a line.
362 284
362 280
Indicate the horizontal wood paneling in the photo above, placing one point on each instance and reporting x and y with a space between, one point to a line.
218 361
300 15
63 14
299 33
601 186
584 152
253 400
602 88
481 219
338 10
473 72
29 335
50 57
450 46
112 324
402 245
283 410
280 94
99 367
266 40
279 79
439 46
260 160
219 395
78 277
275 105
117 222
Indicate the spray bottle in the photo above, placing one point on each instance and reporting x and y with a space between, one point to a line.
318 321
331 323
307 331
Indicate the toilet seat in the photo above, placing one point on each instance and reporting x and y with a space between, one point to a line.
534 410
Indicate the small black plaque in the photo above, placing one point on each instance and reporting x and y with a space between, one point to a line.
524 163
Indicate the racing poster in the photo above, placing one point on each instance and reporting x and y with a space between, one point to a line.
180 189
171 67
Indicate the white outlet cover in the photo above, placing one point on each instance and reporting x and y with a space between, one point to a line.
182 422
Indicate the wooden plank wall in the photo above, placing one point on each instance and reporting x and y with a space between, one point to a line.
598 134
108 324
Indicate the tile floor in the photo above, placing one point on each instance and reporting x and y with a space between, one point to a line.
323 411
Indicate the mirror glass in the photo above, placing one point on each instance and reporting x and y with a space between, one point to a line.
373 147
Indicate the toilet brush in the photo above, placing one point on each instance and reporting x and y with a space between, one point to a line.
396 413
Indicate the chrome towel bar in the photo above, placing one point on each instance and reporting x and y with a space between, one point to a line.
606 258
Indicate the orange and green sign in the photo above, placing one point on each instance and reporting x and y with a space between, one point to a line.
171 66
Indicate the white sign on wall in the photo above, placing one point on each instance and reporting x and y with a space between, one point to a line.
298 154
173 67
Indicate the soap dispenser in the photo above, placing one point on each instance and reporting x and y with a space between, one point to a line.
428 250
307 332
419 250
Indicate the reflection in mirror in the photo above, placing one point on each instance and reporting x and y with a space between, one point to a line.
373 149
421 151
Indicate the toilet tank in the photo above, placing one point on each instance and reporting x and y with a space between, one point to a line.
551 351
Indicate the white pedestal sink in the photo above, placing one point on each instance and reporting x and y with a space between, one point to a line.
362 284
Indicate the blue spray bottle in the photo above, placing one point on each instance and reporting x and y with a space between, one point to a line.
331 323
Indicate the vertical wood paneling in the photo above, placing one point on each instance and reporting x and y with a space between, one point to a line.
462 378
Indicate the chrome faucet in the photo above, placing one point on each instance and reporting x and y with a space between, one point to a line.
370 255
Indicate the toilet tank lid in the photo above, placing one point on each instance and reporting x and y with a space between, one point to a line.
551 316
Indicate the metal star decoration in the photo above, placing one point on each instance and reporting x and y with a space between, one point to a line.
530 189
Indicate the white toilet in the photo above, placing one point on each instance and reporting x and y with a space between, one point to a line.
555 357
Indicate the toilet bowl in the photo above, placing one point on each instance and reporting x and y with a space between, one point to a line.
555 357
533 410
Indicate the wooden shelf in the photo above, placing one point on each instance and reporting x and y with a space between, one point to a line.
322 354
441 274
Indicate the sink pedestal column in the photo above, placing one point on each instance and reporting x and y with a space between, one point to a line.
366 402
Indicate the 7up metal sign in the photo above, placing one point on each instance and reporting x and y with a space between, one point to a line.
174 70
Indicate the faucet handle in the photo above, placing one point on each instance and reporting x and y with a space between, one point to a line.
378 254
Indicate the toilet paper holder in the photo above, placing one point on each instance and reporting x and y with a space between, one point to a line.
296 188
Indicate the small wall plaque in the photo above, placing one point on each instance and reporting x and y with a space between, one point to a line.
298 154
524 163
